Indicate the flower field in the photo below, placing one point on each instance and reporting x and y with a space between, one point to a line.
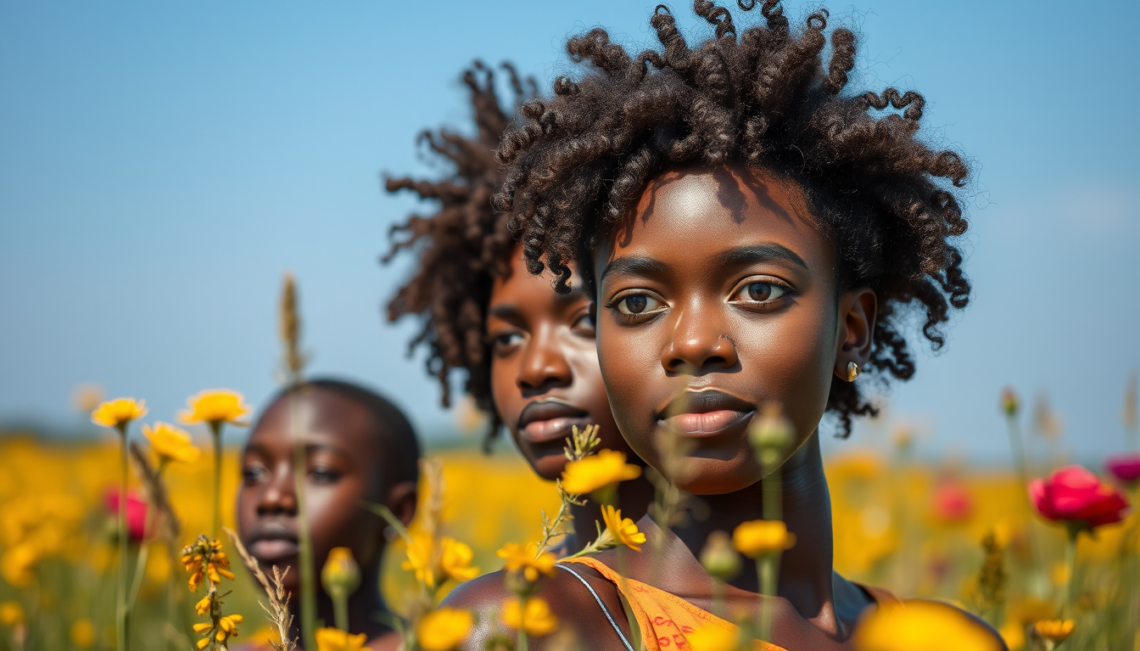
969 537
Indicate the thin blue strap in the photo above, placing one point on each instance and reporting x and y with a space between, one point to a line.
601 605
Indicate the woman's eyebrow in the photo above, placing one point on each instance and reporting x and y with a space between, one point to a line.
746 255
635 266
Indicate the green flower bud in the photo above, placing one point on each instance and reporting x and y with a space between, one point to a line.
719 558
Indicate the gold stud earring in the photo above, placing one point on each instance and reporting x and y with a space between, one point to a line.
852 371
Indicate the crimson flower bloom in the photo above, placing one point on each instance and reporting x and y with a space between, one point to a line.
1075 495
952 502
136 512
1125 467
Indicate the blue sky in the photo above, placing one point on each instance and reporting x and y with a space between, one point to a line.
162 164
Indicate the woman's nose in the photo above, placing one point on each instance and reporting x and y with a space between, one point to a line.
699 342
280 496
544 365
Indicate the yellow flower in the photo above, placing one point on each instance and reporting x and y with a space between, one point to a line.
760 537
624 531
17 565
452 562
203 606
443 629
334 639
711 638
922 626
118 412
340 574
1055 630
83 633
205 558
1013 634
522 557
171 443
598 471
215 407
11 613
535 618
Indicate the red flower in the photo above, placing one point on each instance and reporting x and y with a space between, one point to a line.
952 502
1125 467
1074 494
136 511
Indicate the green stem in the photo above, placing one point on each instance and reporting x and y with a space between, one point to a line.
340 610
144 546
216 429
718 597
520 639
122 610
1020 467
766 565
304 540
1071 566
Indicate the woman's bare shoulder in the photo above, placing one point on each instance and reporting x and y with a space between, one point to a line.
571 602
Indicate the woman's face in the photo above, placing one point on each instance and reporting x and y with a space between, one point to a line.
717 298
544 367
343 468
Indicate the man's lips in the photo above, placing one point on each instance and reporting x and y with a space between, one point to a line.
705 413
549 420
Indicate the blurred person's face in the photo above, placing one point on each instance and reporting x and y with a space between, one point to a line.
719 296
545 377
342 456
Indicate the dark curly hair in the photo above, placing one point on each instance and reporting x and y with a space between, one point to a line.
462 246
759 99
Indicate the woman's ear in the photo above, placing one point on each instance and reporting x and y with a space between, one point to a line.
858 309
402 501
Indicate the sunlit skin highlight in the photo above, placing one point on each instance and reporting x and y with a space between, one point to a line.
344 468
545 378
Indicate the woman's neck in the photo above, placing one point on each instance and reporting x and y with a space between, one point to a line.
805 570
633 498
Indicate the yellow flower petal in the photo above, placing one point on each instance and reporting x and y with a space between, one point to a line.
624 531
171 443
334 639
118 412
597 471
1055 630
922 626
535 617
522 558
215 406
444 629
759 537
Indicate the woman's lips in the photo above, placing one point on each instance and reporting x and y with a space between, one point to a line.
544 431
705 413
707 423
273 549
544 421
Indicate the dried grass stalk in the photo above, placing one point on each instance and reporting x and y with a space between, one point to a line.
278 609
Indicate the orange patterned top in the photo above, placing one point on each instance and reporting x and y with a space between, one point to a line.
667 620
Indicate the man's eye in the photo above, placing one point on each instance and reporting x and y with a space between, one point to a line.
252 474
584 322
635 304
760 292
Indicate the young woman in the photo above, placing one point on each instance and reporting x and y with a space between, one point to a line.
752 235
528 352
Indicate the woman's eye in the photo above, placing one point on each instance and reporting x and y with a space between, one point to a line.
635 304
252 474
584 322
506 340
324 475
761 292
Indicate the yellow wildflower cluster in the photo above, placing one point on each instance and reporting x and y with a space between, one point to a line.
527 560
334 639
219 631
534 617
205 558
444 629
433 565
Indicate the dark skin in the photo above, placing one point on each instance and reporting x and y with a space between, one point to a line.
344 454
545 379
719 296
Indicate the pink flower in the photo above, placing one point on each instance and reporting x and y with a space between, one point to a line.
1125 467
952 502
136 511
1073 494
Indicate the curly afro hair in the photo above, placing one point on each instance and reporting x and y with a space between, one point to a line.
760 99
462 246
